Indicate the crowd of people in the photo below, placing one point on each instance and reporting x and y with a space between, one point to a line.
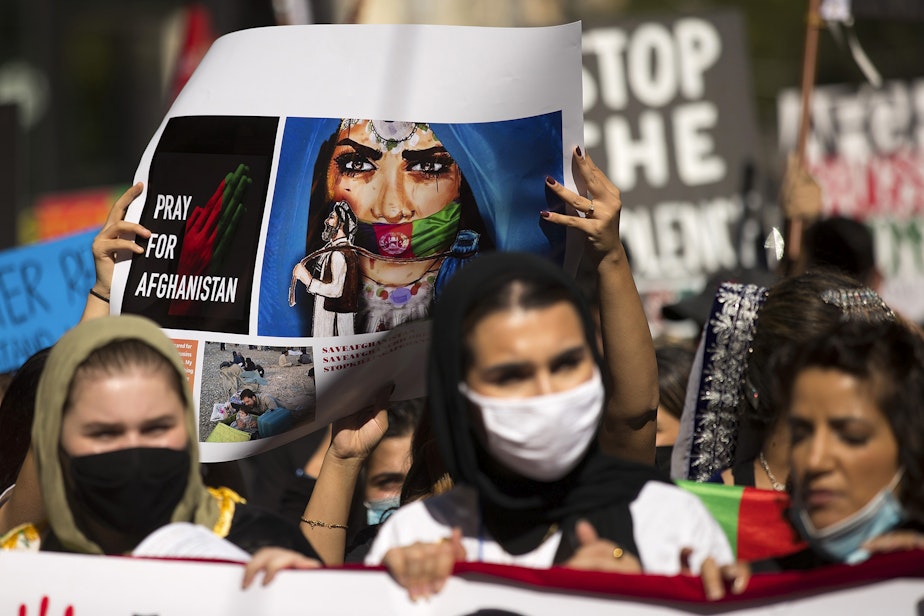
551 435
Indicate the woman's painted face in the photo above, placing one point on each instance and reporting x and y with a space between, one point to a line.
843 448
132 409
519 353
392 172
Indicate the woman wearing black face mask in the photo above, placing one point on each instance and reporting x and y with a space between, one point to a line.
114 438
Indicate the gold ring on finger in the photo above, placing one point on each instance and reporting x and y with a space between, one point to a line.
590 209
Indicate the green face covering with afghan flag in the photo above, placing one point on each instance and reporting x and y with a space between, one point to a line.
755 521
425 237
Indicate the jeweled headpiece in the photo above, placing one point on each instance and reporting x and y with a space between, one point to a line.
862 304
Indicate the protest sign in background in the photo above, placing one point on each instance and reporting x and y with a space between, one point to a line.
43 290
669 115
866 151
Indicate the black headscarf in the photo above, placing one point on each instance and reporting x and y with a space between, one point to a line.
518 511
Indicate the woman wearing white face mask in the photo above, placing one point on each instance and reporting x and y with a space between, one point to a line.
857 460
516 394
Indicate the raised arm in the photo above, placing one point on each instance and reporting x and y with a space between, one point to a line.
629 418
114 241
353 438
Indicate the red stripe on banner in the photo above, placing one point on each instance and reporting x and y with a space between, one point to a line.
681 588
763 528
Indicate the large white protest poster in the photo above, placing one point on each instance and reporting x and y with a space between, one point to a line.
670 116
866 151
313 188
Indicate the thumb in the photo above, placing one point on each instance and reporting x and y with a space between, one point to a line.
456 540
585 533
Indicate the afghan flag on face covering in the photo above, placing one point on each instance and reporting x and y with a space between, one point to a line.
419 238
755 521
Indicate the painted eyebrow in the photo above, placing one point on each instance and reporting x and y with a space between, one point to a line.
418 155
365 150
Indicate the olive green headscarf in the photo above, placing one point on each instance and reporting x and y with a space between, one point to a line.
68 353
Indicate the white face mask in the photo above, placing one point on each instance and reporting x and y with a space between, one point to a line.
541 437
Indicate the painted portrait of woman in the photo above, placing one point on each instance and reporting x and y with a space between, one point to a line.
414 216
393 210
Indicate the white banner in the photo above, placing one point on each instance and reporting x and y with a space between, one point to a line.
47 584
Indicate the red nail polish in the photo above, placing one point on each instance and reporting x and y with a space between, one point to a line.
544 214
579 152
550 180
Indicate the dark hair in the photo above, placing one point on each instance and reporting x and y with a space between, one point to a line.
525 291
797 309
246 393
890 357
427 471
403 417
675 359
17 410
844 244
117 357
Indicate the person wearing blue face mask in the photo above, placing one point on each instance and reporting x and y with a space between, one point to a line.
857 461
386 467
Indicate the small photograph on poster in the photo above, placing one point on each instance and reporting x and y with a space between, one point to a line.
251 392
206 191
370 218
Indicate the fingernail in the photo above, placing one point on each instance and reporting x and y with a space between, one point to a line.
738 585
579 152
550 180
544 214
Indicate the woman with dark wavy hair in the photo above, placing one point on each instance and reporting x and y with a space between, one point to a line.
857 442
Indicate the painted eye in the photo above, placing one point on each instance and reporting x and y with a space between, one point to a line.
354 163
434 166
430 166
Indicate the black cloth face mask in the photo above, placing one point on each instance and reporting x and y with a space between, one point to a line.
132 492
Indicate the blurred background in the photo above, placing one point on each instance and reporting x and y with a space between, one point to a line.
84 85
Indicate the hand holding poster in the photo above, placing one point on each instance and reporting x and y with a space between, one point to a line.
297 206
